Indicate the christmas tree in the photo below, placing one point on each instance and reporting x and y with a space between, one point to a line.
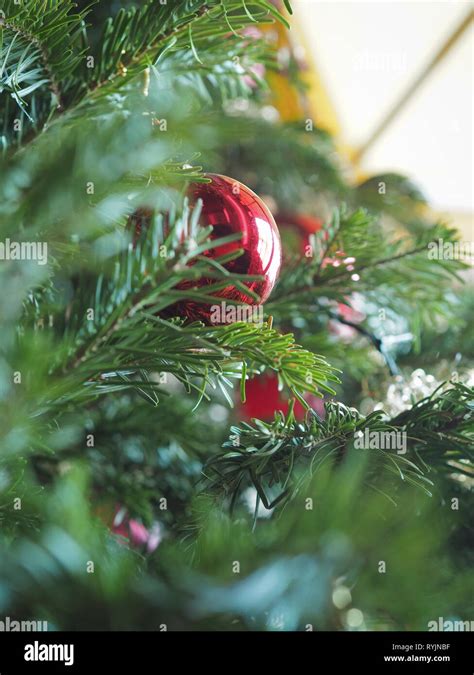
203 428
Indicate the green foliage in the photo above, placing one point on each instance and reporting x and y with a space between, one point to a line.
290 567
270 456
119 109
380 263
310 170
39 55
49 62
394 274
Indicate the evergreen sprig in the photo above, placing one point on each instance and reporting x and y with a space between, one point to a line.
145 345
139 37
40 53
50 60
271 456
354 254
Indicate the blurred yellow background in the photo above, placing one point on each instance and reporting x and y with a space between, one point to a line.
394 82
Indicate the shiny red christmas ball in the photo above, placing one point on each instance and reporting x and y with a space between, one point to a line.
231 207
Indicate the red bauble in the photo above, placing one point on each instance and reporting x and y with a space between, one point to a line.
231 207
295 230
263 400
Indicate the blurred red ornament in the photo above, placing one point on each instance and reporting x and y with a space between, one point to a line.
301 227
135 533
232 208
263 400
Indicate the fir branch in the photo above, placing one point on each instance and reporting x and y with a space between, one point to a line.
132 42
442 428
273 456
166 37
354 254
49 32
289 568
147 345
114 339
33 41
147 276
152 26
